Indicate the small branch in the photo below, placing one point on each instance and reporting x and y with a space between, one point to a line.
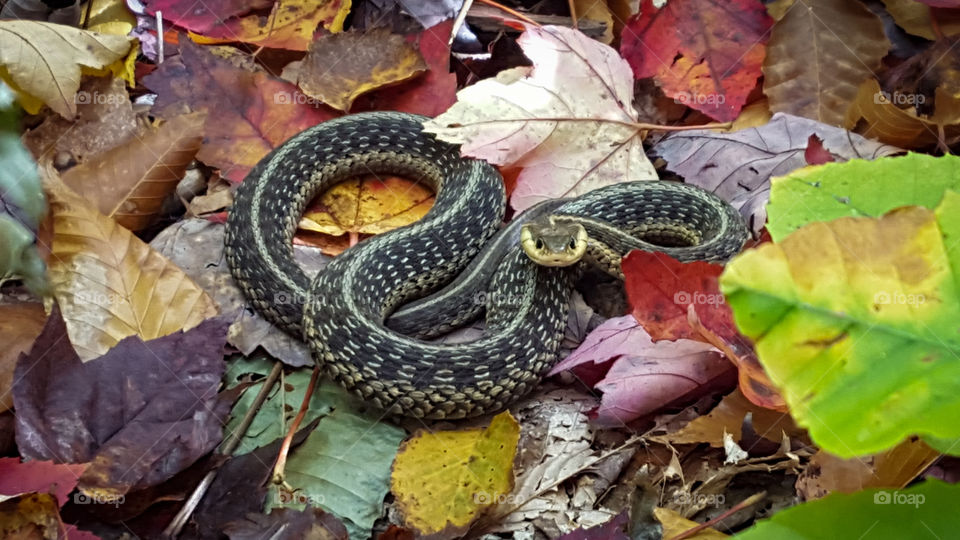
288 440
573 13
749 501
513 12
159 37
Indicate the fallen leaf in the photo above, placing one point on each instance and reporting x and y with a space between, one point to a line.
62 53
17 478
131 182
249 113
139 414
571 129
706 54
110 17
872 115
290 25
377 58
443 480
917 19
738 166
109 284
20 324
611 530
33 515
675 524
201 17
854 319
816 154
818 55
312 523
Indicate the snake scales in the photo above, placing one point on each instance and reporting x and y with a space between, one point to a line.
342 312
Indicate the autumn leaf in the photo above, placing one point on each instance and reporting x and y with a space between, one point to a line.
443 480
20 324
43 61
855 321
917 19
874 115
58 479
706 54
568 121
290 25
818 55
141 173
139 414
249 113
109 284
611 530
377 58
201 17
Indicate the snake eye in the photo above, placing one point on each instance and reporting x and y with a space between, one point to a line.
573 243
539 243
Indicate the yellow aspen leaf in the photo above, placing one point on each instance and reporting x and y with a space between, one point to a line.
108 283
44 61
444 480
377 58
290 25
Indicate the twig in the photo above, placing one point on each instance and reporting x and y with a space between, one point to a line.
229 445
159 38
749 501
288 440
458 22
573 14
513 12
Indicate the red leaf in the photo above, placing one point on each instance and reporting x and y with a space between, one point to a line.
249 112
39 477
816 154
706 54
202 16
659 289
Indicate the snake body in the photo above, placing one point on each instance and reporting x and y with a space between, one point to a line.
342 314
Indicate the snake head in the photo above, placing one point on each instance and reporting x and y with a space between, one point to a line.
549 242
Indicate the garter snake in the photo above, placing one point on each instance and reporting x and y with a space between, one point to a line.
342 313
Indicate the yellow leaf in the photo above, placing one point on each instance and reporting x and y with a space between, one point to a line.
595 10
110 17
444 480
130 182
674 524
290 25
108 283
377 58
44 60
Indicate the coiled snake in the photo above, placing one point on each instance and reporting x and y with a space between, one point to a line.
341 314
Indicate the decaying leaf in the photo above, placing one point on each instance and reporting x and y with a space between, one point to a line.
109 284
20 324
818 55
855 321
568 120
290 25
130 182
709 62
139 414
874 115
201 17
45 61
675 524
444 480
377 58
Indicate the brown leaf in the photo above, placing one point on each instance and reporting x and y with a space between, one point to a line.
111 285
376 58
818 55
20 324
878 118
130 182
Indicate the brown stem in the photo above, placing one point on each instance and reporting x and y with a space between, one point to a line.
288 440
573 14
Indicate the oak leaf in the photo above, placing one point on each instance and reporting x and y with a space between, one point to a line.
706 54
45 61
443 480
568 121
109 284
818 55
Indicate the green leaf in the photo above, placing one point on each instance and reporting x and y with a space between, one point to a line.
857 321
858 188
927 510
22 204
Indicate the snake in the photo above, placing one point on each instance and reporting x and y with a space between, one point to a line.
368 314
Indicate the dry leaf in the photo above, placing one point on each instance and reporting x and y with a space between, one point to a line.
20 324
45 61
568 120
377 58
130 182
290 25
818 55
915 18
109 284
876 117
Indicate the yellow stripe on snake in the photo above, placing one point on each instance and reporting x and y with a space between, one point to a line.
357 315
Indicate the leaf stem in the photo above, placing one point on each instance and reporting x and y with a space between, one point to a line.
278 469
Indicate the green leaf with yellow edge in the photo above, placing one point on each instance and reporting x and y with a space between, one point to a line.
857 321
445 480
926 510
858 188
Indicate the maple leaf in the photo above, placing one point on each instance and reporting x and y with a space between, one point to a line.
706 54
568 120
